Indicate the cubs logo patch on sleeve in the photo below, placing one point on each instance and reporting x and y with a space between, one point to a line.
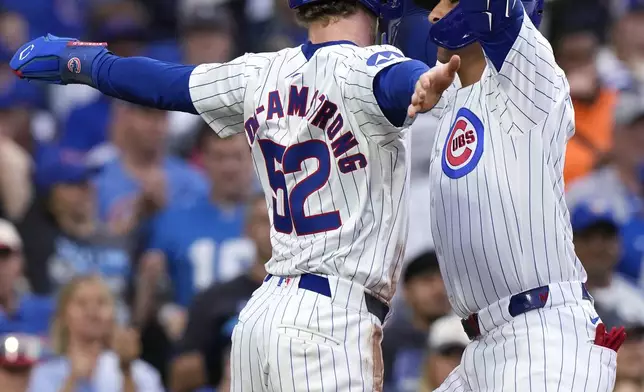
463 145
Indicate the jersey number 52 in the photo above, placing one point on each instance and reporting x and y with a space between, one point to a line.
293 216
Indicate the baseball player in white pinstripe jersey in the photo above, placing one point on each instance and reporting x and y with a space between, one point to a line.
327 126
500 222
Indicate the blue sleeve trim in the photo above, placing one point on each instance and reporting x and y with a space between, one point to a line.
145 81
394 86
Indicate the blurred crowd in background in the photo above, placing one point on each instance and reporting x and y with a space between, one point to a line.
130 238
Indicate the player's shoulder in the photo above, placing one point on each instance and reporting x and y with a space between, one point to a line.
377 56
361 62
264 58
256 60
247 61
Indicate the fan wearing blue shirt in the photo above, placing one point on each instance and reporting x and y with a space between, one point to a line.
143 179
203 243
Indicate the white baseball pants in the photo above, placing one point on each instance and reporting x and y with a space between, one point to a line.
290 340
545 350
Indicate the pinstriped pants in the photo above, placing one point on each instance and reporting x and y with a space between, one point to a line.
545 350
290 340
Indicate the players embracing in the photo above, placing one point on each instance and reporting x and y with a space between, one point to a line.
501 225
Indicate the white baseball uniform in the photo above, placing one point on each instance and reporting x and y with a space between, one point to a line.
335 175
501 227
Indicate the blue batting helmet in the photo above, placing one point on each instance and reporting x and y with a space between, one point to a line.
410 34
451 32
385 9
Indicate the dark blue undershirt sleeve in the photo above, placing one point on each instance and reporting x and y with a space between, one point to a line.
394 86
145 81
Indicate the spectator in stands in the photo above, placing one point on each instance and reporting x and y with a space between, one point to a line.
203 243
65 17
404 338
630 360
597 244
20 312
18 355
284 32
63 236
143 179
16 190
86 114
203 349
576 51
94 354
22 127
447 342
24 318
14 30
207 36
622 64
620 183
137 186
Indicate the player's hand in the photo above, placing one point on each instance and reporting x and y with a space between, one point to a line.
431 85
57 60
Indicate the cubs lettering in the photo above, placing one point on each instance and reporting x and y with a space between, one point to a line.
321 113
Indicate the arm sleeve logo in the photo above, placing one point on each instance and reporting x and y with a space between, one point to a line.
382 58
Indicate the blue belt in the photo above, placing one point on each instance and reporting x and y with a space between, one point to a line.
519 304
320 284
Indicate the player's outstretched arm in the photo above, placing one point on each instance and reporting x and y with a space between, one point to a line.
139 80
431 85
519 58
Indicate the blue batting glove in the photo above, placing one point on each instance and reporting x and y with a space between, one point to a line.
58 60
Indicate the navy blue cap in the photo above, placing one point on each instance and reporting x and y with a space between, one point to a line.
588 214
58 166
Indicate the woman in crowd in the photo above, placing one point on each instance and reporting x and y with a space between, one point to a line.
94 354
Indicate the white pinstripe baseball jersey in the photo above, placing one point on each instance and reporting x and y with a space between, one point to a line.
334 170
501 225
